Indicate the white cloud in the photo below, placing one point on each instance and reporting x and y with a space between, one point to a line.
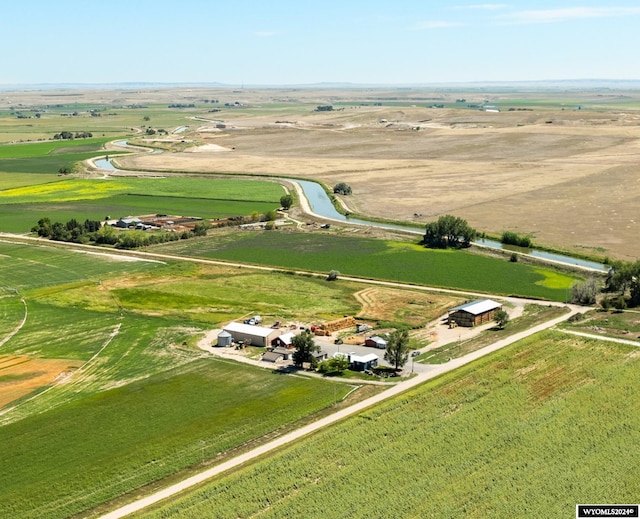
265 34
566 14
421 26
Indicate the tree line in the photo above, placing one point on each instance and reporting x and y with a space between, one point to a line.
70 135
92 231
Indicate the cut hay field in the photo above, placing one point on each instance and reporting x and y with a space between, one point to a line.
529 431
380 259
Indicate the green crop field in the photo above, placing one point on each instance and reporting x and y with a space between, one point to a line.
139 402
67 460
394 261
21 207
527 432
51 148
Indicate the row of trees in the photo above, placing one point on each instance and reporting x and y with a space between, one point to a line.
92 231
70 135
448 231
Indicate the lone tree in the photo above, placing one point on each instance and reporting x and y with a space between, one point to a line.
397 348
584 293
333 275
623 276
449 231
342 188
502 318
305 348
286 201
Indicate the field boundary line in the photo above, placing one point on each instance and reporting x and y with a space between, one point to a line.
10 335
601 337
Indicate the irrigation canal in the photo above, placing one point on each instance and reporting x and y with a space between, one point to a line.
321 205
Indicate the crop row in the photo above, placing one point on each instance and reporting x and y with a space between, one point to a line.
72 458
531 431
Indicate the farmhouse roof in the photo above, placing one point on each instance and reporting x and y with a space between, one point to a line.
477 307
364 358
248 329
287 337
271 356
281 351
378 340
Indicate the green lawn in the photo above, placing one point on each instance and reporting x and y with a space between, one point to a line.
372 258
527 432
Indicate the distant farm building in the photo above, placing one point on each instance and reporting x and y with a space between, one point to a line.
249 334
376 342
125 223
224 339
474 313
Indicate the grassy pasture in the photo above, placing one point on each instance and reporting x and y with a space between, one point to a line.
51 147
623 325
128 320
380 259
529 431
72 458
28 266
21 207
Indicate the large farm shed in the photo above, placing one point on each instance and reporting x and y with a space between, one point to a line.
249 334
474 313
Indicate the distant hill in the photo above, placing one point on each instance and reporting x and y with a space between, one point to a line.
551 84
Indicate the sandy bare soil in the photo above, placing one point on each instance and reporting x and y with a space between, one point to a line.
24 375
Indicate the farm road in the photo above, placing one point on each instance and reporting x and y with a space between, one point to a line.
20 324
315 426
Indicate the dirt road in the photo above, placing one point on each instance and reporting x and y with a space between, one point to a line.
315 426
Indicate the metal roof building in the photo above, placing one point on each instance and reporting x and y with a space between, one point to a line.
474 313
250 334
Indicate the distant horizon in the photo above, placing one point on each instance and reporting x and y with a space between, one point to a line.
549 83
285 42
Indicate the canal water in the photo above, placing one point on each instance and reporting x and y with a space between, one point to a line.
322 206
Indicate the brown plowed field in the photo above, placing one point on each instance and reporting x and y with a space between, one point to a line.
20 376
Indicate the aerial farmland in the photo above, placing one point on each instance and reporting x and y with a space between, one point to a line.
111 384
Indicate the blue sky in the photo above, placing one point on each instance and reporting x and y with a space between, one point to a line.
299 42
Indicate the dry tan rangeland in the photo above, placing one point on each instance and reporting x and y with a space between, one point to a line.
569 178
